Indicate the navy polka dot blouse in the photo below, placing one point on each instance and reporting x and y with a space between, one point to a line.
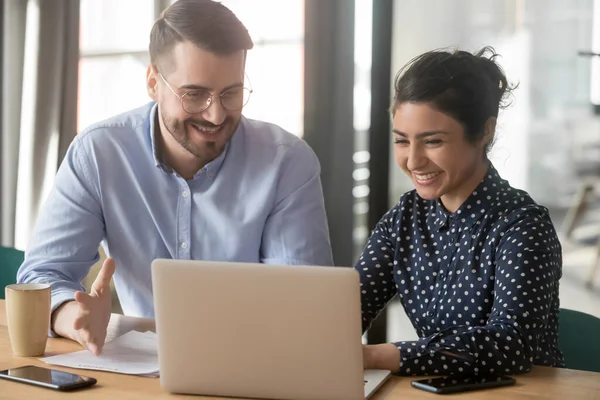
480 286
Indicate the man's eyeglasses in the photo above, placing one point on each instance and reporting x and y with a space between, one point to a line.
196 101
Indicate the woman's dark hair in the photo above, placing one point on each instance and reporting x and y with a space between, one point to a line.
468 87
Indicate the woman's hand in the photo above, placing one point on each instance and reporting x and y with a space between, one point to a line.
381 356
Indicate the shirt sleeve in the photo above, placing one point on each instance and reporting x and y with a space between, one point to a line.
527 269
296 230
69 228
376 268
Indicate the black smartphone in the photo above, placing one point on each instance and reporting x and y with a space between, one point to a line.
48 378
454 384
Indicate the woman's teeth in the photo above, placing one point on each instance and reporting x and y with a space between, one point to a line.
427 177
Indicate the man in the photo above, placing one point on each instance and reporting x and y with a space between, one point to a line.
184 177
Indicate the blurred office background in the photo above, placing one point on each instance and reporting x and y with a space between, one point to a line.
323 70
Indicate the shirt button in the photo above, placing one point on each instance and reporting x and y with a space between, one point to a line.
185 193
184 245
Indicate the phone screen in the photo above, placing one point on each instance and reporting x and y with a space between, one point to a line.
50 378
449 384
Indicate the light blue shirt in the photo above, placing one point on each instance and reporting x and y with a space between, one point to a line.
260 201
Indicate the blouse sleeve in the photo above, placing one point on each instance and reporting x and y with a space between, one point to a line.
375 267
527 269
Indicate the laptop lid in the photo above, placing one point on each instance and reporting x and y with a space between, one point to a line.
258 330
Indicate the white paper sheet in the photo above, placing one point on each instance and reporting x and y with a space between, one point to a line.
134 353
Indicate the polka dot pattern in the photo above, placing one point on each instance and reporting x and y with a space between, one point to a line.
480 286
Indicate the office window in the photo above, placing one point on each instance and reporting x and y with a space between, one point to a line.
108 86
115 25
113 60
363 35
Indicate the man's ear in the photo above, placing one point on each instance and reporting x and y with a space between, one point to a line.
152 82
489 130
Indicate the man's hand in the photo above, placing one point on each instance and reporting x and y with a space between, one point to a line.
85 320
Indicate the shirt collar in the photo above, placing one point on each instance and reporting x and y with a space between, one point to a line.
212 168
439 215
475 206
152 132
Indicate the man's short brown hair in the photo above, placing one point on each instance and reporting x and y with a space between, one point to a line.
208 24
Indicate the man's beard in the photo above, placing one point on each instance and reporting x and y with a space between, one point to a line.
208 151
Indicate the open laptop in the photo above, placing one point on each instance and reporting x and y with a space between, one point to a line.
260 331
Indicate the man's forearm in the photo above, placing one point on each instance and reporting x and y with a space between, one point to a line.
63 318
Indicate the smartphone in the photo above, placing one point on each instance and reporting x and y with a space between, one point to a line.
48 378
454 384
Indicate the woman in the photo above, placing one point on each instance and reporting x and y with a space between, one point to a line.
476 263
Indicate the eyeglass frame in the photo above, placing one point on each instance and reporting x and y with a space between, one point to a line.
210 100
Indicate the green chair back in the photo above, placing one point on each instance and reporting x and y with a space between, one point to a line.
10 261
579 340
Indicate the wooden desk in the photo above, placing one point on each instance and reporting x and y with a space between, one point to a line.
541 383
